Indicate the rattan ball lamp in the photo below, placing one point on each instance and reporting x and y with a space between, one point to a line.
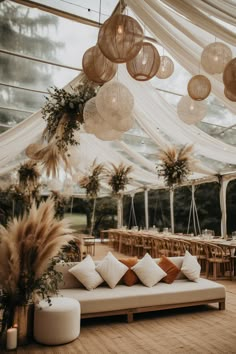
229 76
215 57
113 99
199 87
107 135
146 64
94 124
97 67
191 111
231 96
120 123
120 38
166 68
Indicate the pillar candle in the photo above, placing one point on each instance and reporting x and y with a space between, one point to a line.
11 338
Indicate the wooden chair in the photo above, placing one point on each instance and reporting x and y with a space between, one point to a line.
218 258
89 244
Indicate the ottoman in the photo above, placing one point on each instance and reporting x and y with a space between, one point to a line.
58 323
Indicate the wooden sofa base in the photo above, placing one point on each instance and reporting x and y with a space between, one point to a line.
130 312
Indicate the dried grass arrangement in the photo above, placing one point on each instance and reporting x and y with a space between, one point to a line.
91 181
63 113
27 249
175 165
118 177
28 175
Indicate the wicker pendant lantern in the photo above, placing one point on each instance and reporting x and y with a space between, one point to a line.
231 96
146 64
191 111
114 98
166 67
97 67
199 87
107 135
120 123
215 57
120 38
229 76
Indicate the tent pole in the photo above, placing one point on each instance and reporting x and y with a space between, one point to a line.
146 208
223 187
172 221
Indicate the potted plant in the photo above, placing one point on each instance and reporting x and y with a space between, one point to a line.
28 246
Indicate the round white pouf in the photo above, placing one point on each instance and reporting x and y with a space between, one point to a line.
58 323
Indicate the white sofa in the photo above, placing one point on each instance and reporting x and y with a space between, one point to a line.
104 301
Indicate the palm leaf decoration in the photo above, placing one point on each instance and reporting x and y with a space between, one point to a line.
118 177
91 181
175 164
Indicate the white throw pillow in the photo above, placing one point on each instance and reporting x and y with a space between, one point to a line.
190 267
111 270
85 272
148 271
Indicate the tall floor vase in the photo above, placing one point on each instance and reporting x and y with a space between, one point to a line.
23 318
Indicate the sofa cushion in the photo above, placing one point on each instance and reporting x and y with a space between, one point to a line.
124 297
148 272
85 272
111 270
170 268
190 267
69 281
130 278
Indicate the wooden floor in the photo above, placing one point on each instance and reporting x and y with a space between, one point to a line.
202 330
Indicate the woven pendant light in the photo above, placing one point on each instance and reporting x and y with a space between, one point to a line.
94 124
120 38
191 111
120 123
231 96
215 57
166 67
97 67
114 98
199 87
229 76
146 64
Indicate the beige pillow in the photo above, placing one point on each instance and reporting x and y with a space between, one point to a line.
148 271
85 272
190 267
111 270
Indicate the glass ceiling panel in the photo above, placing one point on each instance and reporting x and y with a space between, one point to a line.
89 9
35 33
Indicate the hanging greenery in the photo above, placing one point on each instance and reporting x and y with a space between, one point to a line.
175 164
118 177
63 113
91 181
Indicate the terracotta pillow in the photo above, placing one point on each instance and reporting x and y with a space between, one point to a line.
130 278
170 268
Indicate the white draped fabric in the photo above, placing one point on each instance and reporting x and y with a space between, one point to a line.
158 119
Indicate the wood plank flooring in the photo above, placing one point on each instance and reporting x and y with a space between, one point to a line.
202 330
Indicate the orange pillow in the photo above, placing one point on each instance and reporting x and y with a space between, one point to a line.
130 278
170 268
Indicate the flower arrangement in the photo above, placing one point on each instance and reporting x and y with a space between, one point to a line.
118 177
91 182
28 247
175 165
63 113
59 204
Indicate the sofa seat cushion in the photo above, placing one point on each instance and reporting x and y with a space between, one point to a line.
104 299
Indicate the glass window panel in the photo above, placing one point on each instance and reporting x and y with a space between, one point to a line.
207 197
159 208
231 207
